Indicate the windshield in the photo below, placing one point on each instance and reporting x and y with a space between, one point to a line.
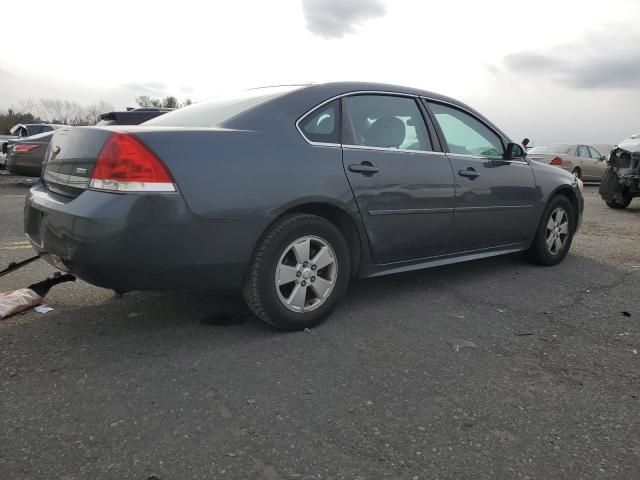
212 112
557 149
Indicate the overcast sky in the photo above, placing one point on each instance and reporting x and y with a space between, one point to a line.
552 70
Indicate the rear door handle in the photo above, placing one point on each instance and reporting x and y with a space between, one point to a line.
469 173
365 168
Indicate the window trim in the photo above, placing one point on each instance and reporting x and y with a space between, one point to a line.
423 107
385 92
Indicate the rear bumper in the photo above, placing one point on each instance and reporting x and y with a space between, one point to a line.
139 241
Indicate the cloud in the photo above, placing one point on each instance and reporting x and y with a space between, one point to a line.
151 87
528 62
605 59
336 18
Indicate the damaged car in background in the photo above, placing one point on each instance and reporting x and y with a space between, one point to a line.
621 181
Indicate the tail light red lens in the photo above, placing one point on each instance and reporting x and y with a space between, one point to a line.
126 164
24 147
556 161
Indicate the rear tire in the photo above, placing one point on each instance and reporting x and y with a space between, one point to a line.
553 238
625 203
299 271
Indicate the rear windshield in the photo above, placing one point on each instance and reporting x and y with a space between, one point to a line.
559 149
212 112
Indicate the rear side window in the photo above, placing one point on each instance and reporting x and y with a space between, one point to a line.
33 130
384 121
323 124
213 112
583 152
465 135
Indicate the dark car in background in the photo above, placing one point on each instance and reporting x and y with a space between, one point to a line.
21 130
133 116
288 193
25 156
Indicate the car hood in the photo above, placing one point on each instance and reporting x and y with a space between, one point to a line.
631 144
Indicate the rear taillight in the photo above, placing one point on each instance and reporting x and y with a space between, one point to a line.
556 161
24 147
126 164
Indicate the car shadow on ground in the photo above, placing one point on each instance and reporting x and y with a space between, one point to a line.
210 318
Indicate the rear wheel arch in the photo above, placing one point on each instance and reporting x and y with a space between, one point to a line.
341 219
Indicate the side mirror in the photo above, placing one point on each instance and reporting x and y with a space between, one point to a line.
514 151
603 158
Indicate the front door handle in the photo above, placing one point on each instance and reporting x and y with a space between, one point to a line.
469 173
365 168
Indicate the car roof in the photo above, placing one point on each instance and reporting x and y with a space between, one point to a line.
301 100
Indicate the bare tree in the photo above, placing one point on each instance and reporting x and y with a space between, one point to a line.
59 111
18 113
166 102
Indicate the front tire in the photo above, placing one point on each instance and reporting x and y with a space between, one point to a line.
299 271
555 233
577 173
626 200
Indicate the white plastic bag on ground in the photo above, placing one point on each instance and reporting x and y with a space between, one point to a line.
17 301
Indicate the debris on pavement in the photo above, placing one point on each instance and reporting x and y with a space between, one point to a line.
23 298
17 301
43 309
457 344
625 314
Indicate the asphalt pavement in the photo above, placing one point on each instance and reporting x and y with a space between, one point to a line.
492 369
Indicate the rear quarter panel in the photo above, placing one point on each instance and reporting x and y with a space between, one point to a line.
251 174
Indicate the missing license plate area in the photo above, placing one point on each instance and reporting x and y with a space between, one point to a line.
34 225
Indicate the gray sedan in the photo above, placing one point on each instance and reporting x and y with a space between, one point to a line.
290 192
584 161
25 156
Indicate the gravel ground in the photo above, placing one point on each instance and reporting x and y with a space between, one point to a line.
490 369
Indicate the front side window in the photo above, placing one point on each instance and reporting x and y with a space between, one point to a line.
323 125
465 135
594 153
384 121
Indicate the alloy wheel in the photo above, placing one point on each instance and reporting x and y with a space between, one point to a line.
557 231
306 274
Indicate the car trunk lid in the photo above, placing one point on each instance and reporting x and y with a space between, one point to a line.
545 157
71 157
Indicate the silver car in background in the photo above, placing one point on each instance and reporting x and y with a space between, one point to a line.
584 161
